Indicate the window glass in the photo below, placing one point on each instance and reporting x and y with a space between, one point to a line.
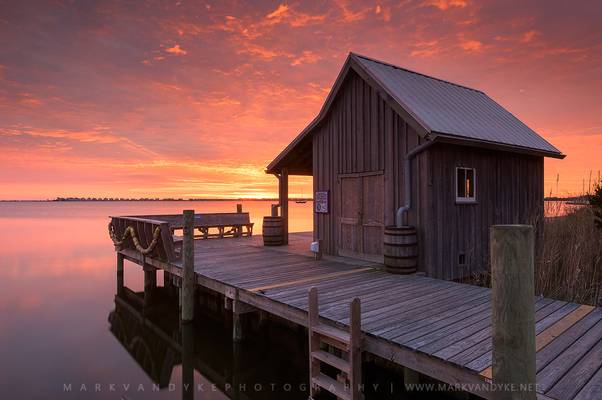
470 183
465 184
461 187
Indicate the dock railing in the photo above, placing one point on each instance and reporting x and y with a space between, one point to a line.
150 237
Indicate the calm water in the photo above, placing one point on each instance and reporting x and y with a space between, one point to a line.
60 323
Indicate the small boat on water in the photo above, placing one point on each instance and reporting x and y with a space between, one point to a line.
300 201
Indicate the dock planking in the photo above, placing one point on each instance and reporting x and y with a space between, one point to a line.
439 328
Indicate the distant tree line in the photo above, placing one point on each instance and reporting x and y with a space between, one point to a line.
165 199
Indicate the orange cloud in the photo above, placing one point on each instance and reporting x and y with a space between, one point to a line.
350 15
279 12
447 4
529 36
471 45
177 50
306 57
294 18
385 12
426 49
114 120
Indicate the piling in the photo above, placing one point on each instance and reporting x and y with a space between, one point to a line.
188 387
188 276
120 280
513 314
150 284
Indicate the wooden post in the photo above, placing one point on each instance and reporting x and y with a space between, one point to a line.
238 230
314 341
236 326
410 377
188 386
355 349
150 284
513 314
167 279
238 309
120 280
188 276
263 318
283 198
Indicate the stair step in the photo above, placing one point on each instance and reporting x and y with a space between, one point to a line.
334 387
332 332
332 360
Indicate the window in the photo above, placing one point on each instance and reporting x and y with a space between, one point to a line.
465 185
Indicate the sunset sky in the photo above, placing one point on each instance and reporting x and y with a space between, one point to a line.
193 99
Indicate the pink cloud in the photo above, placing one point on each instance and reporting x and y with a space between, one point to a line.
109 115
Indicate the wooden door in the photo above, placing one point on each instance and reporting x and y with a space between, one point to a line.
362 216
350 215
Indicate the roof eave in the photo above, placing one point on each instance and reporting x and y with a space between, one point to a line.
460 140
351 63
273 166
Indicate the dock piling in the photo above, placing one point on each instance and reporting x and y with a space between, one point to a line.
513 314
283 201
150 284
188 387
188 278
120 280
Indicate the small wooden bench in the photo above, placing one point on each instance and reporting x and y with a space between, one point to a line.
227 224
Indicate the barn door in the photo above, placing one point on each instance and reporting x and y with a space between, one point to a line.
351 202
362 216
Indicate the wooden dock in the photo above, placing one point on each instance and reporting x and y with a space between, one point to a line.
439 328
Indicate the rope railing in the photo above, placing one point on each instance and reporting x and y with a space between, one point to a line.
130 231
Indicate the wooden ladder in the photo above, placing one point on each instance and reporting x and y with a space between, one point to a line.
348 384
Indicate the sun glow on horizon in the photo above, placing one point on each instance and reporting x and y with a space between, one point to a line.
182 100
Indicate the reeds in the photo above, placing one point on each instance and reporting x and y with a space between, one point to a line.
569 260
568 263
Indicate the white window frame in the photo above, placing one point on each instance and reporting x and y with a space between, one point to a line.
466 199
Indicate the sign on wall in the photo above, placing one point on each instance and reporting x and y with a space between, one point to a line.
321 201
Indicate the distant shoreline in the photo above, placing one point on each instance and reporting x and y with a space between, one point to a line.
66 200
572 199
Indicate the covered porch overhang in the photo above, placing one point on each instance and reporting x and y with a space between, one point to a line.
296 159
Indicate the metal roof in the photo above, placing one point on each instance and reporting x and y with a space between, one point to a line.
445 111
448 108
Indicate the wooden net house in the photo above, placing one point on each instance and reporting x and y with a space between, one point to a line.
391 146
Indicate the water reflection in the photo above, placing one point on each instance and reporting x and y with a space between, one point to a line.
200 360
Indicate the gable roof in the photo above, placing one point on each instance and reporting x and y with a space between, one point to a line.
439 109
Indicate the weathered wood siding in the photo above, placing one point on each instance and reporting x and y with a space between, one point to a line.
363 135
509 190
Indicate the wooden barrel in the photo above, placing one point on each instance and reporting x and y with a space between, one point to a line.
272 231
400 249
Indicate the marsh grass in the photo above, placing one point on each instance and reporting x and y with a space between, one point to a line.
569 260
